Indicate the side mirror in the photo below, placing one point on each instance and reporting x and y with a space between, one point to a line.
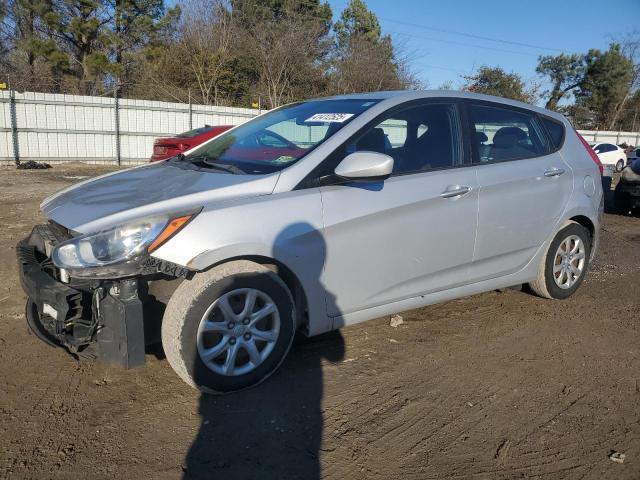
365 166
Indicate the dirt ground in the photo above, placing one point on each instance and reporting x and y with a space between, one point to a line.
499 386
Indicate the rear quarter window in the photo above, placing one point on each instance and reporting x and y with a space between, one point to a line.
555 130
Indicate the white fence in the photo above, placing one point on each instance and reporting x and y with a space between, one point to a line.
630 138
60 128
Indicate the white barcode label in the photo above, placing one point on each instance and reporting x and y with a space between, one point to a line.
330 117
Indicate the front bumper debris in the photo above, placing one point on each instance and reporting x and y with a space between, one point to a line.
101 319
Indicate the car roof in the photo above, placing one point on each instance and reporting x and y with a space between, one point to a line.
398 96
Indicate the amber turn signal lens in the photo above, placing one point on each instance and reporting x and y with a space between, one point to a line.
169 231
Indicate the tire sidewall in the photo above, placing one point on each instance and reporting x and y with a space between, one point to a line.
573 229
204 378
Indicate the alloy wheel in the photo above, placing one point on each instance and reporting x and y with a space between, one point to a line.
569 262
238 332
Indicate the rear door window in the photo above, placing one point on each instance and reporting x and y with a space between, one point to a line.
504 134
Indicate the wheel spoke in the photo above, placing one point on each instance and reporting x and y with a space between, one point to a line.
579 256
209 326
557 268
565 277
576 246
254 354
569 280
225 307
265 335
209 354
265 311
575 270
249 303
230 362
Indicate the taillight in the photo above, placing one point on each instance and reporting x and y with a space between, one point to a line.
593 154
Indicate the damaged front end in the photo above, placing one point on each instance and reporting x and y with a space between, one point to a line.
110 319
627 192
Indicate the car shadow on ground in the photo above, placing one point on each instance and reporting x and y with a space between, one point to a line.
273 430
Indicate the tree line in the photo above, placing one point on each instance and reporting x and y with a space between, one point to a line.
221 52
243 52
597 90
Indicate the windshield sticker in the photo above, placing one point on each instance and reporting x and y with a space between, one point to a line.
283 159
330 117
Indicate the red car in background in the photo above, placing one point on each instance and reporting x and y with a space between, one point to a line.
164 148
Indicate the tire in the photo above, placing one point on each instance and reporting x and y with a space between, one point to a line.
186 340
619 165
546 285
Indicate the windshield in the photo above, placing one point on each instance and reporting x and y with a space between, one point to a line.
277 139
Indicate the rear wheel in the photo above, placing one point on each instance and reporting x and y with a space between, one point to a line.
565 264
619 165
229 328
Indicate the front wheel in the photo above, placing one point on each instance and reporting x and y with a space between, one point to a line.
565 264
619 165
229 328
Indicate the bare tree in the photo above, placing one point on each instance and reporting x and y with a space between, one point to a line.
630 46
206 33
363 66
283 50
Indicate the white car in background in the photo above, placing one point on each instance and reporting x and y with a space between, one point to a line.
611 155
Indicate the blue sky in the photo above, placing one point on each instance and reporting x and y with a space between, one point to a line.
548 27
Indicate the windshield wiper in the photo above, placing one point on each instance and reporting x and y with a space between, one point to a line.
225 167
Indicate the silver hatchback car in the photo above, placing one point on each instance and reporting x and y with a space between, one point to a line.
313 216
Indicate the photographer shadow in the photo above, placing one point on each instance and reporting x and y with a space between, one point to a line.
273 430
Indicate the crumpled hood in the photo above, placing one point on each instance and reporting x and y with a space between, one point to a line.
153 189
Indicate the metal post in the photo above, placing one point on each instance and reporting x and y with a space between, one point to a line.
595 137
190 112
116 104
14 123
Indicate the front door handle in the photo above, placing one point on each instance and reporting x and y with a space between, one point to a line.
553 172
455 191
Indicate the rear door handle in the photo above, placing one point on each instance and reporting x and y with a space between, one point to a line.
455 191
553 172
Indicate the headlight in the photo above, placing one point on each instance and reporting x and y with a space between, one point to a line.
115 252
